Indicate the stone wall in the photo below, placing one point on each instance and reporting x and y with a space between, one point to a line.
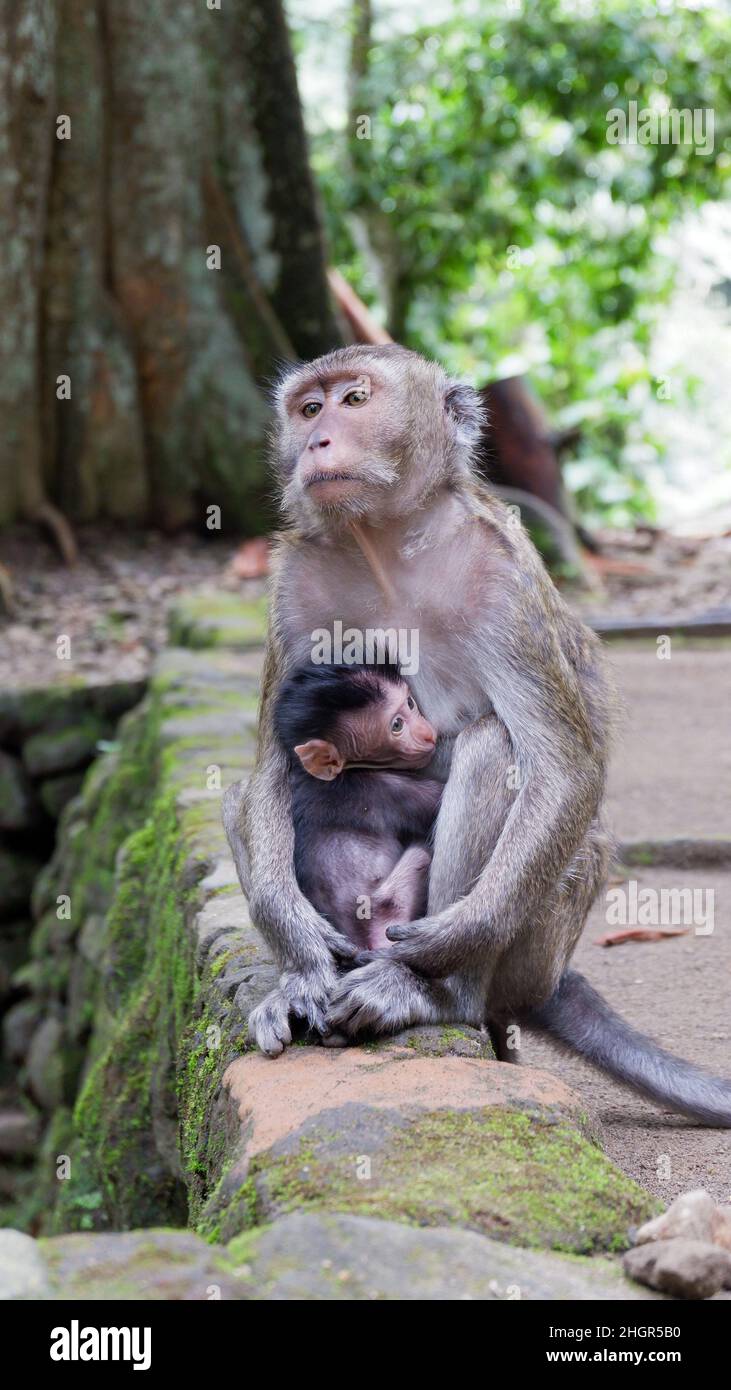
48 739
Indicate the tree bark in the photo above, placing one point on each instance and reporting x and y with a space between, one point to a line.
186 133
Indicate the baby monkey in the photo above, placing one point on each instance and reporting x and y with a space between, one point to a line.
362 821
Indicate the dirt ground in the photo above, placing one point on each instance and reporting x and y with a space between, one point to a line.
113 603
650 574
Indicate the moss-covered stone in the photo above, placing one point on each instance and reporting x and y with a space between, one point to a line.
18 872
64 750
18 803
26 711
132 850
529 1178
125 1116
207 619
56 792
167 1265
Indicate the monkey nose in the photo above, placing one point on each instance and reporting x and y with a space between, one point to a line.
318 440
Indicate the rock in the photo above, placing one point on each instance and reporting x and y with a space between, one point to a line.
92 941
63 750
19 1025
52 934
321 1257
683 1268
26 711
18 1133
18 871
690 1217
15 939
421 1129
44 1064
217 619
175 1266
721 1228
23 1272
56 792
315 1257
111 701
18 805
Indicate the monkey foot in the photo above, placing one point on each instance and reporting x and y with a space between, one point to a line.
379 998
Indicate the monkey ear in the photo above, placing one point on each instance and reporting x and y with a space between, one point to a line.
320 758
464 407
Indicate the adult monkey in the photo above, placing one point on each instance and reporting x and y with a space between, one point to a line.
373 446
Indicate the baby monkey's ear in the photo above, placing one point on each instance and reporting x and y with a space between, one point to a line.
320 758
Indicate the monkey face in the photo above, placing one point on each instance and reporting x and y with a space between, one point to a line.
409 740
366 431
343 440
389 733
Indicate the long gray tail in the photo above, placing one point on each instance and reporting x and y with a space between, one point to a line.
578 1017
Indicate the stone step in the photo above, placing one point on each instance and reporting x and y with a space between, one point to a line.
303 1257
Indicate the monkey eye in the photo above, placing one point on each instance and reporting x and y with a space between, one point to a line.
411 702
356 397
397 725
311 408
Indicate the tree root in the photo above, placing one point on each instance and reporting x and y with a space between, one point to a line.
7 598
61 533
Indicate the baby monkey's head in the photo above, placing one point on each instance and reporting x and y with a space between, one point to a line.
336 717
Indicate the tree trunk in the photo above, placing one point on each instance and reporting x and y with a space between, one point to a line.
186 134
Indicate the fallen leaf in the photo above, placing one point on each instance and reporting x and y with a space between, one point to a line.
616 938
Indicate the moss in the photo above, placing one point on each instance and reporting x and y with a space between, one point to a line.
207 1147
64 750
144 1120
528 1179
220 619
131 869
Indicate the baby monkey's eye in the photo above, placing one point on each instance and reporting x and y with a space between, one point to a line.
311 408
411 702
397 725
356 397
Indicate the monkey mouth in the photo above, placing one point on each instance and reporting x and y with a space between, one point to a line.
329 478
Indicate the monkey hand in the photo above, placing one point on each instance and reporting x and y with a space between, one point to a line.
299 994
339 946
269 1023
308 994
432 946
382 997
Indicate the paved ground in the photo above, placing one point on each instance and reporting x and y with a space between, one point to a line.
670 778
671 772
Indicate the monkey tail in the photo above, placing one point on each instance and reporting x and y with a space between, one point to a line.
578 1017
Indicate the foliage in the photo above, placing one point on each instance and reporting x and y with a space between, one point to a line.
488 210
